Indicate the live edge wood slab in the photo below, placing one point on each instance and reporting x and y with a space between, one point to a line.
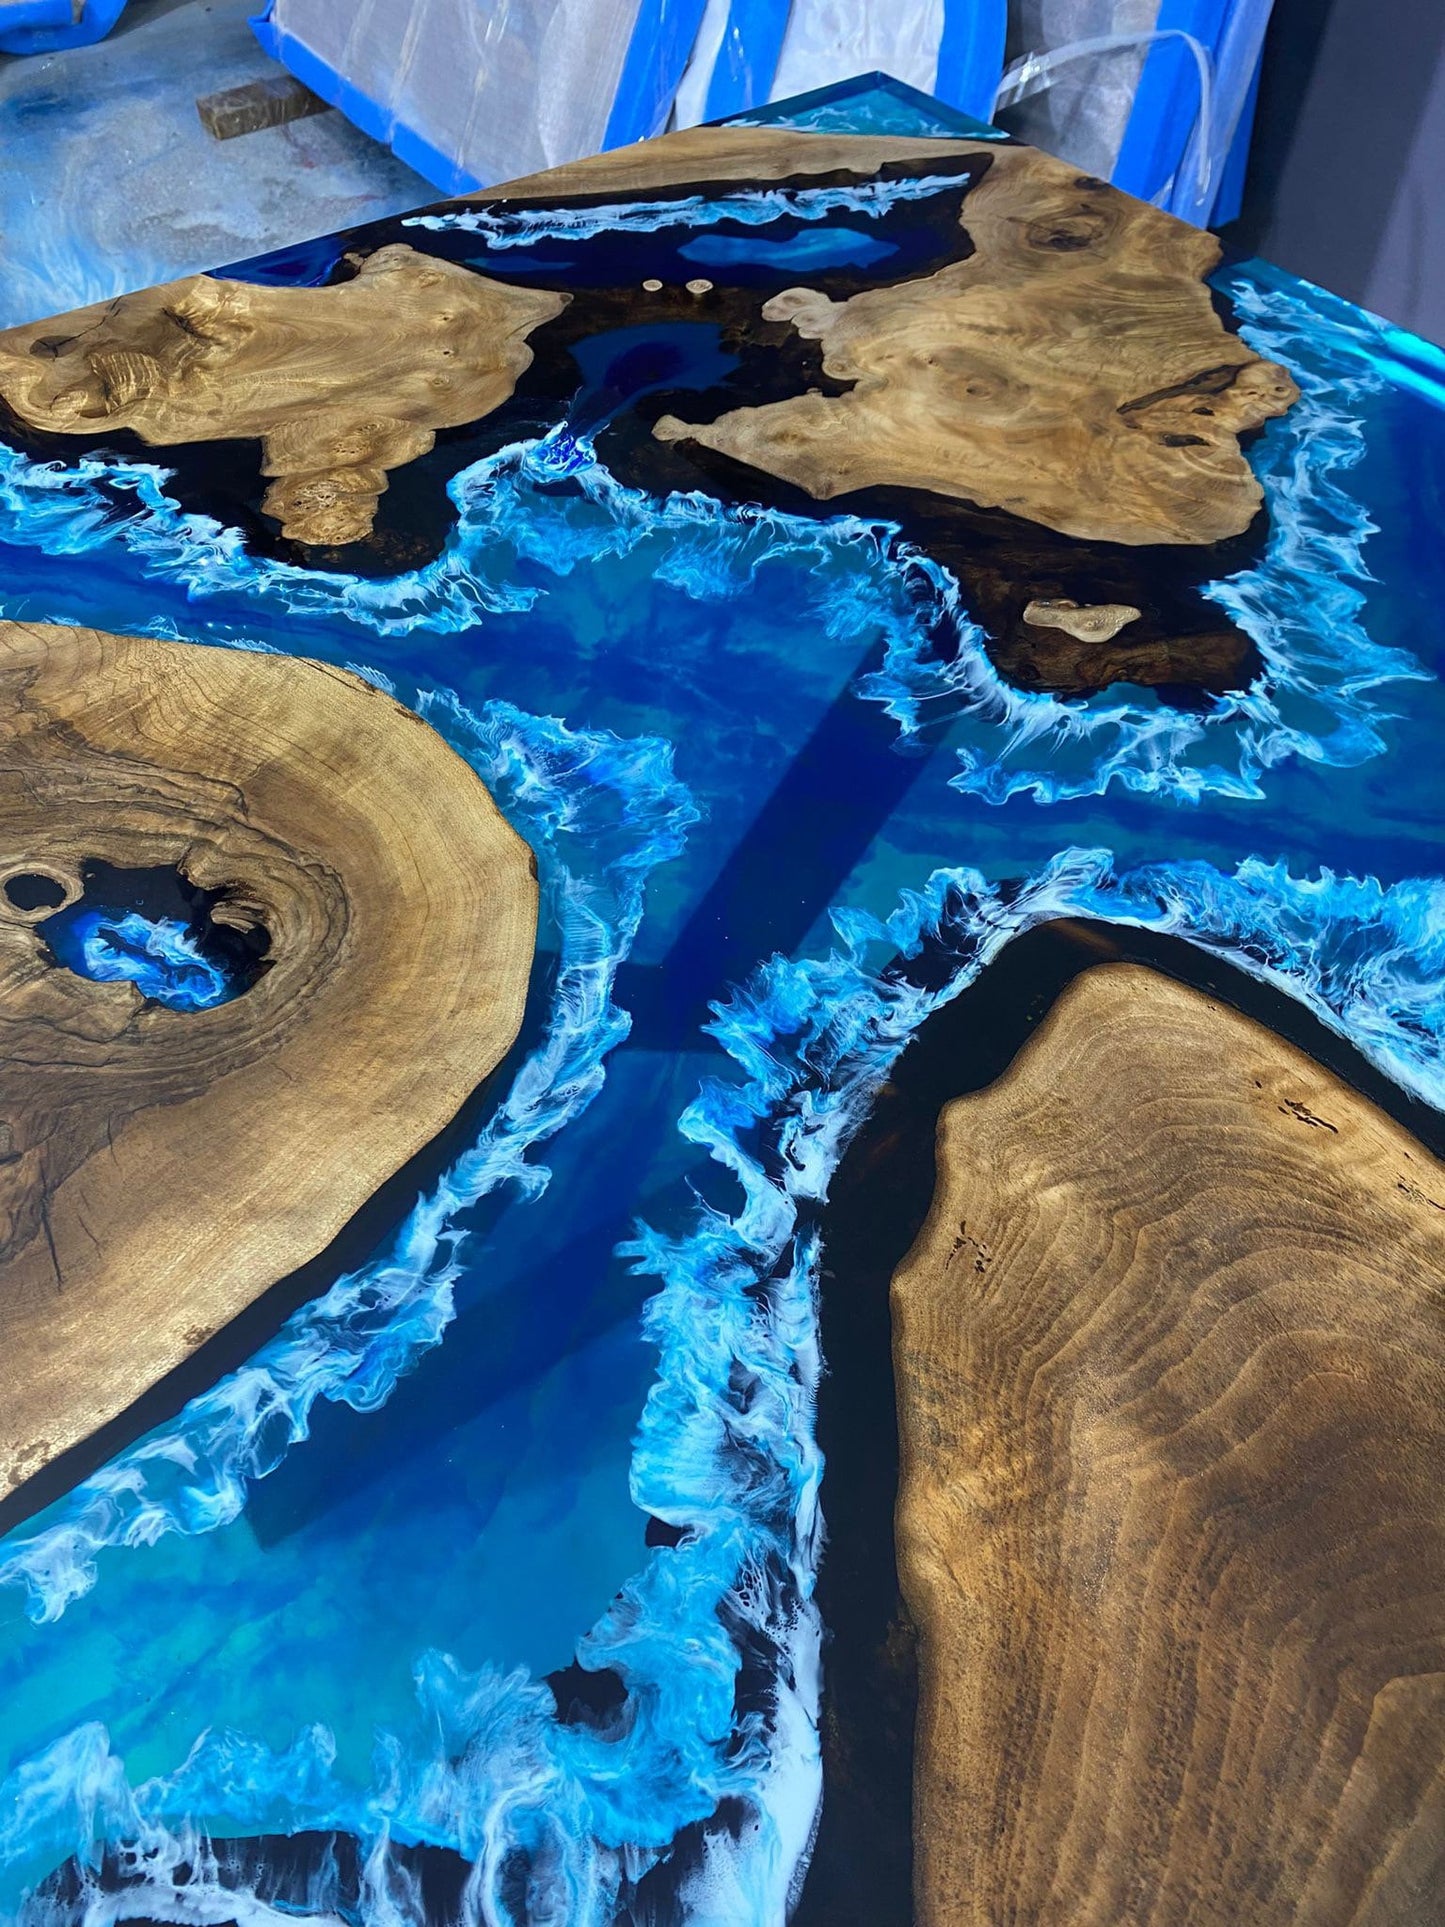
1070 369
1170 1360
161 1168
1054 413
338 384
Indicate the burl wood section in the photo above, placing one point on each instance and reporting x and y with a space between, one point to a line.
1170 1358
1071 370
161 1168
698 154
340 384
1097 622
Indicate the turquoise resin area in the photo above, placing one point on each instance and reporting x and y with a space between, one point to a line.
328 1594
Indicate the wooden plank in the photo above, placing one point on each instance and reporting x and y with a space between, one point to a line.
259 103
162 1167
1170 1359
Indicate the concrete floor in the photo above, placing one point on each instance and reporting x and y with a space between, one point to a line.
109 182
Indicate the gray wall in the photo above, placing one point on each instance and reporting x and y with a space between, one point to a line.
1347 177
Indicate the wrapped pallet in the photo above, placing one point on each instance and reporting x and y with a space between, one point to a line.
1154 94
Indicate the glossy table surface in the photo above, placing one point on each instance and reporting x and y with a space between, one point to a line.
500 1538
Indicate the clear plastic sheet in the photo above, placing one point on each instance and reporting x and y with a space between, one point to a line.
815 43
1077 72
1151 93
1190 181
829 40
1084 110
477 90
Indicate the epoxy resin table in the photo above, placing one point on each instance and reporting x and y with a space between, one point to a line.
722 967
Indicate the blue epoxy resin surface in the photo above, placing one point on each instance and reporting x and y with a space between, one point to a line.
160 957
784 807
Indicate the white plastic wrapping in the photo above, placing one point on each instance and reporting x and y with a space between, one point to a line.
496 87
831 40
1072 85
1084 110
475 91
825 41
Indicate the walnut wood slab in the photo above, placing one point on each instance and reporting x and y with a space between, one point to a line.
697 155
162 1168
1170 1357
1071 370
339 384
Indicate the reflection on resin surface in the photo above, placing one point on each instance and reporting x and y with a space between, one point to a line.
478 1579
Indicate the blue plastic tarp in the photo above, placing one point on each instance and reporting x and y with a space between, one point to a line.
470 92
45 26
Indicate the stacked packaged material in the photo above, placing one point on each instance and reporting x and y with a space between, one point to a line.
1155 94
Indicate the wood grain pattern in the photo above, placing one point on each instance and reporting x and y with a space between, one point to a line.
1071 370
339 384
1170 1356
1002 563
161 1168
697 155
1058 658
1085 622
